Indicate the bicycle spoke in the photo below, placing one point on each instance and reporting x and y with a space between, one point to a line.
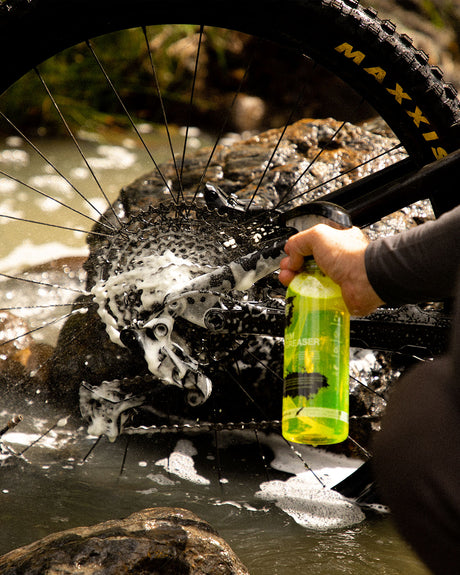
41 283
363 450
367 388
91 449
262 455
29 307
357 380
75 142
130 118
57 226
237 382
218 462
261 410
264 365
310 165
125 453
60 174
275 149
163 112
47 362
222 129
351 191
53 199
44 326
285 199
192 95
49 430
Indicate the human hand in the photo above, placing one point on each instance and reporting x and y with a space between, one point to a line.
340 255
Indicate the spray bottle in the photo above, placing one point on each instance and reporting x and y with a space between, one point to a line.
316 344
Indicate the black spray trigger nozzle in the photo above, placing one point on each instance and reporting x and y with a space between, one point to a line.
317 212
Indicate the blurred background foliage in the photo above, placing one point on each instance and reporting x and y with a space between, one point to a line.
86 98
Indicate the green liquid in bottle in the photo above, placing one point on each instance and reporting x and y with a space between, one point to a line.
316 360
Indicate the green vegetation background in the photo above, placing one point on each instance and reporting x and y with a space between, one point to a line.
86 98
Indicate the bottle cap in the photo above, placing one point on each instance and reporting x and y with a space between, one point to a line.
318 212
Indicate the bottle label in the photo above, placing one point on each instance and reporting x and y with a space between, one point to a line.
291 341
306 384
314 363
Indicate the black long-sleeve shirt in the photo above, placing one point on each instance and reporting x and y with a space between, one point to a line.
419 437
420 264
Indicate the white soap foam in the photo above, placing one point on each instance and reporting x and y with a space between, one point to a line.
180 463
317 508
329 467
307 497
160 479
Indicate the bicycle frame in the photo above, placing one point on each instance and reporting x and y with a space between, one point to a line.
397 186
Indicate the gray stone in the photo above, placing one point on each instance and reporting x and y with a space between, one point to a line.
163 541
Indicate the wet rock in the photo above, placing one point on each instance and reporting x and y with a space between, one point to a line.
238 168
12 344
164 541
84 352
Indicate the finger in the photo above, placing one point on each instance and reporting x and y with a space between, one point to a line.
285 263
286 276
300 243
295 261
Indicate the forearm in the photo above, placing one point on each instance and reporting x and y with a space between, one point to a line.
418 265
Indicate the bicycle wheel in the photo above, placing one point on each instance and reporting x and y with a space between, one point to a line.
120 380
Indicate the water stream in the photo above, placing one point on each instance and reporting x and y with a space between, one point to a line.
259 496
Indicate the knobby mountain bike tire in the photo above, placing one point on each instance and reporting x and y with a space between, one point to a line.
380 65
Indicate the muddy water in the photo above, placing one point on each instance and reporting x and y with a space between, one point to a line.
279 517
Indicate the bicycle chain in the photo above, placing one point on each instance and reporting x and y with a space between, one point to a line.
204 427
